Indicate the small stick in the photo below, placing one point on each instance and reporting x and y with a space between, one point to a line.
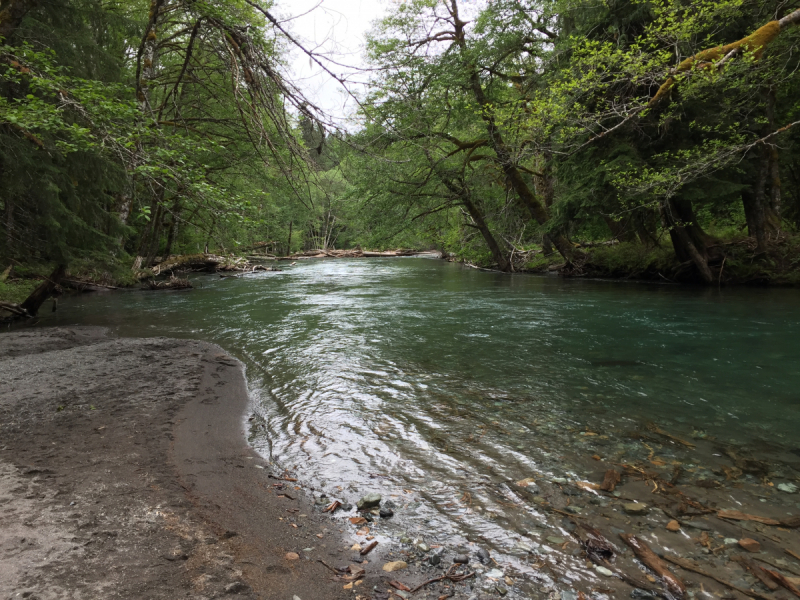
448 575
654 562
327 565
369 548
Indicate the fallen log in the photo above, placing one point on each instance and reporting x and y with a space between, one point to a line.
40 295
173 283
655 564
207 262
86 286
14 309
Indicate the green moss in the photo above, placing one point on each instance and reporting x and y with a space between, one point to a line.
17 290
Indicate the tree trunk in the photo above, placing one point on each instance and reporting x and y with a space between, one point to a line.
687 248
173 226
44 291
754 209
513 175
645 223
480 223
9 226
289 243
620 230
11 14
155 240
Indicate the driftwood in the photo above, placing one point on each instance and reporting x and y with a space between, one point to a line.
86 286
655 564
689 566
188 262
14 309
782 581
757 571
173 283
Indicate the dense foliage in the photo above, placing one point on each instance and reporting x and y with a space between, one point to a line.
508 132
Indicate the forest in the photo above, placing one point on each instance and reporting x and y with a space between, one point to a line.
624 138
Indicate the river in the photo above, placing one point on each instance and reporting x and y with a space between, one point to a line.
437 385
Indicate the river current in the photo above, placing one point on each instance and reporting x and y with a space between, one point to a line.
435 384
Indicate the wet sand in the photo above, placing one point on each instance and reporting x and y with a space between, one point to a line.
124 473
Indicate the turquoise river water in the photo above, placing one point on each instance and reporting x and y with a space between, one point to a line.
420 376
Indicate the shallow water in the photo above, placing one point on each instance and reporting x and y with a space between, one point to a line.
437 384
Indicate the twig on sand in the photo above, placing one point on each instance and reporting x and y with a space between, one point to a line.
454 577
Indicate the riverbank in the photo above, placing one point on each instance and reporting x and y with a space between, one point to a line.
124 473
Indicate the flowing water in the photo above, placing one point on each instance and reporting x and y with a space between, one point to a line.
437 385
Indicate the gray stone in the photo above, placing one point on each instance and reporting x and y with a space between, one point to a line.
235 587
702 526
369 501
434 560
386 513
461 559
483 555
555 540
635 508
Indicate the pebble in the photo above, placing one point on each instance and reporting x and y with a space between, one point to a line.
292 556
635 508
673 526
461 559
555 540
397 565
422 547
495 574
483 555
386 513
750 545
604 571
789 488
698 525
435 560
235 587
369 501
730 541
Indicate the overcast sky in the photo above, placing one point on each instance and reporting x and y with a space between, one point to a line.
334 27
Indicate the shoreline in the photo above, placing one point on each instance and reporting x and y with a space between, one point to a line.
125 472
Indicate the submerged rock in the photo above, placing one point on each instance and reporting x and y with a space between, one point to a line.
483 555
397 565
386 513
789 488
603 571
635 508
369 501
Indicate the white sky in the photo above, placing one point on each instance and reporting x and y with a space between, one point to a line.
336 28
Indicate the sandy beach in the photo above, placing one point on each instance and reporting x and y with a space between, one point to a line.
125 473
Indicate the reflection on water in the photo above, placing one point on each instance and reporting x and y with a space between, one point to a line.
439 385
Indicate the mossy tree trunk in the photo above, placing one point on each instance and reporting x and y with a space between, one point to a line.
688 238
